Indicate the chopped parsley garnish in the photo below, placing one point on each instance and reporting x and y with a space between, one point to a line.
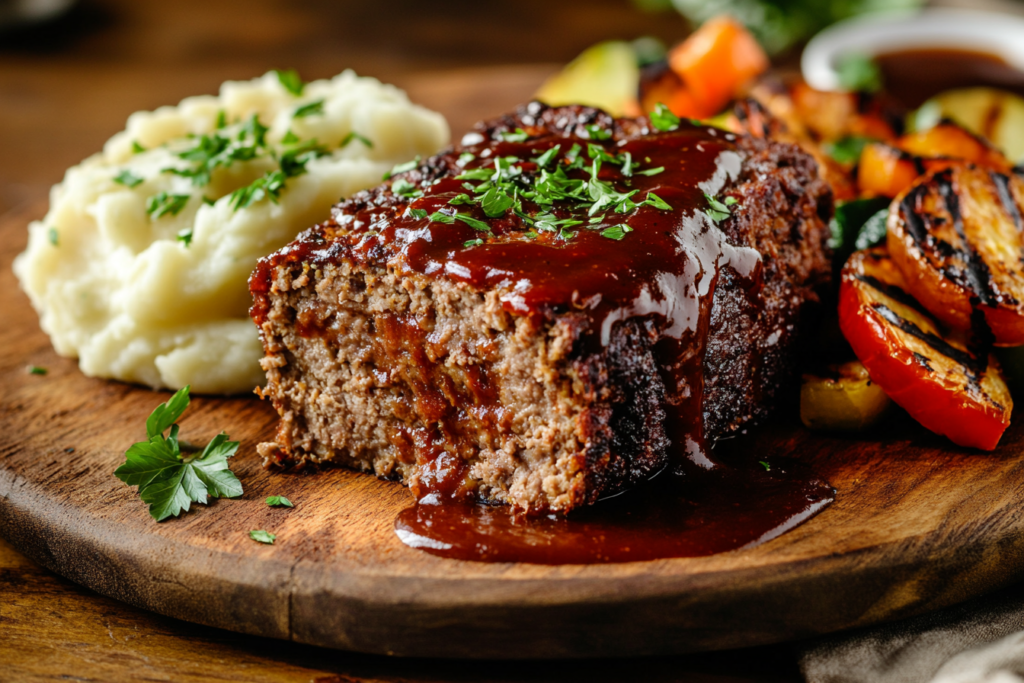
163 204
495 202
418 213
137 148
36 370
170 480
663 119
185 236
616 232
222 120
596 132
53 236
439 217
293 160
652 171
267 186
208 202
765 465
289 138
261 536
355 136
290 81
465 158
473 243
474 223
402 168
279 501
127 178
519 135
547 157
309 109
404 188
718 211
660 204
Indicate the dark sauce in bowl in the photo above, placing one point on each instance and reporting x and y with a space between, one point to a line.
913 76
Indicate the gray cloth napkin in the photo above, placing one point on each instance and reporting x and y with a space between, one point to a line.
980 641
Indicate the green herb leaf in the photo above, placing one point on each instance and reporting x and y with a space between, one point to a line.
850 218
127 178
36 370
716 210
465 158
279 501
293 161
162 204
418 213
439 217
657 202
495 202
596 132
873 232
474 223
651 171
547 157
170 481
859 73
269 186
222 120
519 135
663 119
404 188
291 138
208 202
352 135
473 243
765 465
461 199
291 81
185 236
402 168
261 536
309 109
53 236
616 232
848 149
137 148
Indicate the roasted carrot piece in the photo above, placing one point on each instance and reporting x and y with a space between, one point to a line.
886 171
716 61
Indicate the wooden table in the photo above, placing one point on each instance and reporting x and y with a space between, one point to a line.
65 88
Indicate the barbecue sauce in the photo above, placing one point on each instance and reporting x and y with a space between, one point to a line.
913 76
663 269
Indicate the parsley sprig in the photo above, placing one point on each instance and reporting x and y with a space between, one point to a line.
169 480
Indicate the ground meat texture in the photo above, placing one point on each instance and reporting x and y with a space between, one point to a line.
543 370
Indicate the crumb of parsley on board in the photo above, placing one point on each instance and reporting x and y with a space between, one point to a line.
170 480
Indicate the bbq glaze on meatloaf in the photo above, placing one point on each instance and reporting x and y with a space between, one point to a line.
548 313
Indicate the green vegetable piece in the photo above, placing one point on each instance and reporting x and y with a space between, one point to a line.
660 204
127 178
438 217
53 236
36 370
168 480
547 157
849 218
859 73
290 80
519 135
473 243
873 231
848 149
261 536
279 501
496 202
418 213
765 465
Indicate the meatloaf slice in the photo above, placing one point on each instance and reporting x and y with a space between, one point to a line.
550 312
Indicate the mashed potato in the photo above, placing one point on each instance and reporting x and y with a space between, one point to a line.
140 267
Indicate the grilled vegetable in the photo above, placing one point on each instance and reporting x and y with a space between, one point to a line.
995 114
943 384
887 170
956 237
715 63
605 75
844 400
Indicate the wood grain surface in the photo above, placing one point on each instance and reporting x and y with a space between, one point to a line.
917 525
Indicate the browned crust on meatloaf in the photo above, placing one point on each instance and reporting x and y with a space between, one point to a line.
413 377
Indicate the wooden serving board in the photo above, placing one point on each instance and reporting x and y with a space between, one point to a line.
917 525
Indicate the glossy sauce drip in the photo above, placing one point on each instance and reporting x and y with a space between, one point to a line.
913 76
